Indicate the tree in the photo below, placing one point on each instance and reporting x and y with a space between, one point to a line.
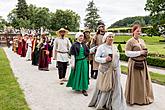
37 17
22 9
2 23
129 21
92 17
157 12
65 18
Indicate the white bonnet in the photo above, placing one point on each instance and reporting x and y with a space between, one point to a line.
106 35
78 34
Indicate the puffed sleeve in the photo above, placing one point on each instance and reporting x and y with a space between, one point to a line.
129 52
98 55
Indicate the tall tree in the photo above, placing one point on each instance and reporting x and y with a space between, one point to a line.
63 18
22 9
92 17
157 12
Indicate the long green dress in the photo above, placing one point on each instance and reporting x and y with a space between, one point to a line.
78 78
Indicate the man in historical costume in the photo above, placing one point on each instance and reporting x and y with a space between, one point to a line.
96 41
61 49
43 54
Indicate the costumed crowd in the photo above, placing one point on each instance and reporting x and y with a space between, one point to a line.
93 57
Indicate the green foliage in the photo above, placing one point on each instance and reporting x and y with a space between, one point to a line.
92 17
156 61
123 57
22 9
41 17
11 96
152 61
119 48
129 21
156 8
65 18
2 23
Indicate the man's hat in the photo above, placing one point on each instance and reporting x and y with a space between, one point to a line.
62 29
86 29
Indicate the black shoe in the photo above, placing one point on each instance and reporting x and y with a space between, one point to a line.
84 93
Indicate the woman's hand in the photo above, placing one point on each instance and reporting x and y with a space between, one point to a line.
144 52
108 59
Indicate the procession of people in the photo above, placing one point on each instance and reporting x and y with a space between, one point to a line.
92 57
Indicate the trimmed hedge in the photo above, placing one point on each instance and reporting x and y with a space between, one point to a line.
156 61
152 61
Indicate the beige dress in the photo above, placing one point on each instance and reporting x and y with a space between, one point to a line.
108 94
138 85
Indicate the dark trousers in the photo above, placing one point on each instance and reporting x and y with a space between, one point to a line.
62 67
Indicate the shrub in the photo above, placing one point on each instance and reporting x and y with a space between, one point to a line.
156 61
152 61
123 57
119 48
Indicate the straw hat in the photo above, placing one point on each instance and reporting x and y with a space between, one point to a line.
86 29
62 29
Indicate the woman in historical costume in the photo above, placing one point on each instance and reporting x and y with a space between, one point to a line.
138 86
35 54
43 55
78 78
14 44
19 51
24 46
108 93
29 48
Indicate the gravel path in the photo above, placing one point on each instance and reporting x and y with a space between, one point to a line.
43 92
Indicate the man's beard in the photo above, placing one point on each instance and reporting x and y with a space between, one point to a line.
62 36
102 32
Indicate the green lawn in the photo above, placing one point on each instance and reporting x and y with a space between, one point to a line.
152 43
147 39
155 77
11 96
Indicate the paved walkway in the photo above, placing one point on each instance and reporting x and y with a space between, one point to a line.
150 68
43 92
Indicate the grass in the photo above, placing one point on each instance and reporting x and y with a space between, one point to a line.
11 96
148 40
155 77
152 43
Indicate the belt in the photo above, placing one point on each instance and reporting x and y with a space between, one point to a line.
137 60
80 59
62 52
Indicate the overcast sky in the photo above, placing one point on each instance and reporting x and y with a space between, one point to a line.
109 10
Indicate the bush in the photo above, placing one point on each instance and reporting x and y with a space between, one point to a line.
119 48
152 61
161 40
156 61
123 57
